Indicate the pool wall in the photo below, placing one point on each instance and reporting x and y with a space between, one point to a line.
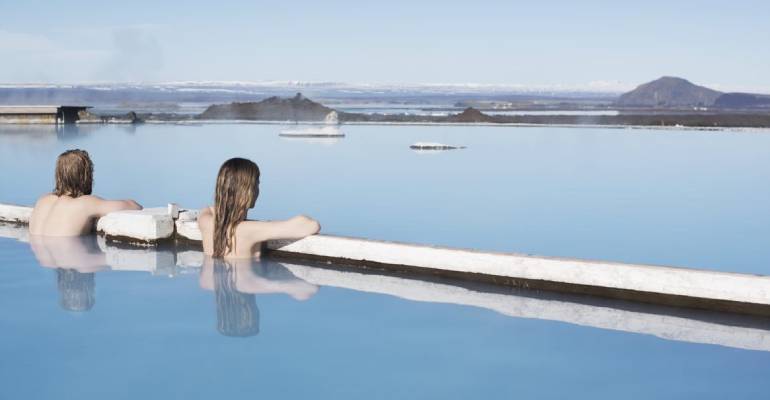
684 287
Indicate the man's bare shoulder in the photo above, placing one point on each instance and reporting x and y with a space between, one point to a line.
47 198
89 198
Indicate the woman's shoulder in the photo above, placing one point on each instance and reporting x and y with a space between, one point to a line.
205 217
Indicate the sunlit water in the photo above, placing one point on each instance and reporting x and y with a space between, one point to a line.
126 324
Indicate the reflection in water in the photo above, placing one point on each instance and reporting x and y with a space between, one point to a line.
237 313
33 133
76 259
325 141
235 284
76 289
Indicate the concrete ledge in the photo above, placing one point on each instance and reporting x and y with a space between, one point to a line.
187 226
15 214
654 284
146 226
641 278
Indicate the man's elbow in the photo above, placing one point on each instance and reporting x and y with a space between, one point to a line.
132 205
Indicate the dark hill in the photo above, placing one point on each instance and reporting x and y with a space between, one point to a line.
742 101
297 108
669 92
471 114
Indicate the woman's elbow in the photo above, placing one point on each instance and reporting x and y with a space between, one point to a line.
315 227
310 226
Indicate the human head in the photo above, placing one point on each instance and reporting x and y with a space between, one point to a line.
74 173
237 191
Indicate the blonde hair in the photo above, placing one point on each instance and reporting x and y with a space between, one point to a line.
237 191
74 173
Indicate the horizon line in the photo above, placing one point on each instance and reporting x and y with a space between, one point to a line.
604 87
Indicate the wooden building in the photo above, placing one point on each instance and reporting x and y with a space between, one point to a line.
40 114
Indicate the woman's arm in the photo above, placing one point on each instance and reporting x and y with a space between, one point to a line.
293 228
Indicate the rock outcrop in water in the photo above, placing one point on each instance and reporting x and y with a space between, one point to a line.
434 146
86 117
297 108
470 115
669 92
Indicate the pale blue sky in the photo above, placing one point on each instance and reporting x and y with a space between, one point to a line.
498 42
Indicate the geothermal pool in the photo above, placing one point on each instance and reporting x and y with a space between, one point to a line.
671 197
92 320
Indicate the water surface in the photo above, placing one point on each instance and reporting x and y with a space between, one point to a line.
683 198
88 320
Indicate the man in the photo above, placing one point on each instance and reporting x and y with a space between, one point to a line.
71 209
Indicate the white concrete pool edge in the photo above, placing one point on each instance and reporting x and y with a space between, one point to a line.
156 224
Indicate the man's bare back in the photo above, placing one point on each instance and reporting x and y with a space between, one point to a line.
72 216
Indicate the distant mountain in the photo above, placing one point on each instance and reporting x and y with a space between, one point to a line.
669 92
297 108
743 101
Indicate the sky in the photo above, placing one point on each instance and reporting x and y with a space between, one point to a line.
594 43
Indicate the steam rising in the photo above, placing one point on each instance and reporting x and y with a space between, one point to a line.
137 56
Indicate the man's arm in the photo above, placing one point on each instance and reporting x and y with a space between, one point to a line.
100 207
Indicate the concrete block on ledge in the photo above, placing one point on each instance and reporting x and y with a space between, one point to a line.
137 226
15 214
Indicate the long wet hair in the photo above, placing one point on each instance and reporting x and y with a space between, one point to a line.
74 173
237 313
237 191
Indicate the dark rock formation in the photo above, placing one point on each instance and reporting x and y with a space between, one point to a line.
669 92
470 115
742 101
297 108
86 117
434 146
301 109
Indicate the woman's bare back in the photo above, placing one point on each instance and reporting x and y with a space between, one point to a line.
249 235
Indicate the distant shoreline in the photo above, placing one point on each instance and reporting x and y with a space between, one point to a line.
472 124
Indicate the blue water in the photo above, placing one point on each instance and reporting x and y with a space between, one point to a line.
681 198
666 197
157 337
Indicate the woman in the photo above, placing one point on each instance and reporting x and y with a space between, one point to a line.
225 230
